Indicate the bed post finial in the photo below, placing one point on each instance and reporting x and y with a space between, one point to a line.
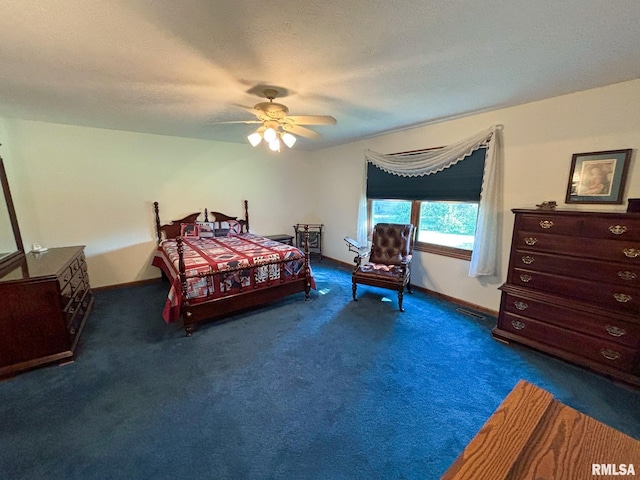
156 209
206 215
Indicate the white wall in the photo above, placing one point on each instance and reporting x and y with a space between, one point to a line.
539 139
76 185
85 186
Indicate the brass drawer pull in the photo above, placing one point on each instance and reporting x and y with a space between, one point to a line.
617 229
622 297
615 331
517 324
521 305
527 259
525 278
531 241
546 224
627 275
631 252
610 354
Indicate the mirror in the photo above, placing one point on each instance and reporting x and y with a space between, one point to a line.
11 248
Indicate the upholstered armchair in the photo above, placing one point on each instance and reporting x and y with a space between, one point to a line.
389 263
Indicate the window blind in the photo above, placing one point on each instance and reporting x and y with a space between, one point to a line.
459 182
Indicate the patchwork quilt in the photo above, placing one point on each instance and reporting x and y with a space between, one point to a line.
243 263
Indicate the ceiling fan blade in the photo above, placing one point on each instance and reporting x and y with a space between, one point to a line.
302 131
237 121
251 110
311 119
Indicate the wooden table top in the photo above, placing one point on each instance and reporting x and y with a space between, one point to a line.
533 436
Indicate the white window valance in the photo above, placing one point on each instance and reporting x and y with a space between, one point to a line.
484 256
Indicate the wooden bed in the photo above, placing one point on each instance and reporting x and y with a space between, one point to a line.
213 278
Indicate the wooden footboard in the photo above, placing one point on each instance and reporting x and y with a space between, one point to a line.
246 297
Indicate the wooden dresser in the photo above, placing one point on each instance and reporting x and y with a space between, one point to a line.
573 289
44 302
531 435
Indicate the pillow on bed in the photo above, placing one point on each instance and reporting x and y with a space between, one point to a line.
189 230
230 227
206 229
234 227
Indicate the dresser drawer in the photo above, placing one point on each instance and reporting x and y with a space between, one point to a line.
71 287
66 295
611 226
73 306
616 250
550 223
616 297
605 327
596 349
78 263
620 228
65 277
80 310
598 270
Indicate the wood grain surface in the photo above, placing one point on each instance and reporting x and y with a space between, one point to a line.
533 436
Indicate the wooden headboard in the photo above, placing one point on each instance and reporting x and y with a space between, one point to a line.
218 217
172 229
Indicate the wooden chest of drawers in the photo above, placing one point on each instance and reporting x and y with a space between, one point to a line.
44 303
573 289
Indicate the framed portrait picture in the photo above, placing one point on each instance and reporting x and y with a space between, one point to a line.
598 177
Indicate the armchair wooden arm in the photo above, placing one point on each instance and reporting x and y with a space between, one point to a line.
357 248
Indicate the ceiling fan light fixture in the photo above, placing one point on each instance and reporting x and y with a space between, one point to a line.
270 135
254 139
274 144
288 139
277 126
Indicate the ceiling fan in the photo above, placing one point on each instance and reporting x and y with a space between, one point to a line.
277 126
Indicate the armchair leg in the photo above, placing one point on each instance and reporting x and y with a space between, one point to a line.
409 288
400 298
354 287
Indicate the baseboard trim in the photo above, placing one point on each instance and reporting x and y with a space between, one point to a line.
456 301
348 266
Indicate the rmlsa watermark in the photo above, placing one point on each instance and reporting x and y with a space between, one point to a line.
613 469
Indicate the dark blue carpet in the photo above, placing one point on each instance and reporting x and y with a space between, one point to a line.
325 389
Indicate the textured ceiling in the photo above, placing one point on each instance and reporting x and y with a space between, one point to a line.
181 67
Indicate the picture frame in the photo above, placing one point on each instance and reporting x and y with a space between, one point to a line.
598 177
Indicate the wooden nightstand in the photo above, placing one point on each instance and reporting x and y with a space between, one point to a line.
282 238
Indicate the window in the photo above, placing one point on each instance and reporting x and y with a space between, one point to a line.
451 224
390 211
443 206
445 228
